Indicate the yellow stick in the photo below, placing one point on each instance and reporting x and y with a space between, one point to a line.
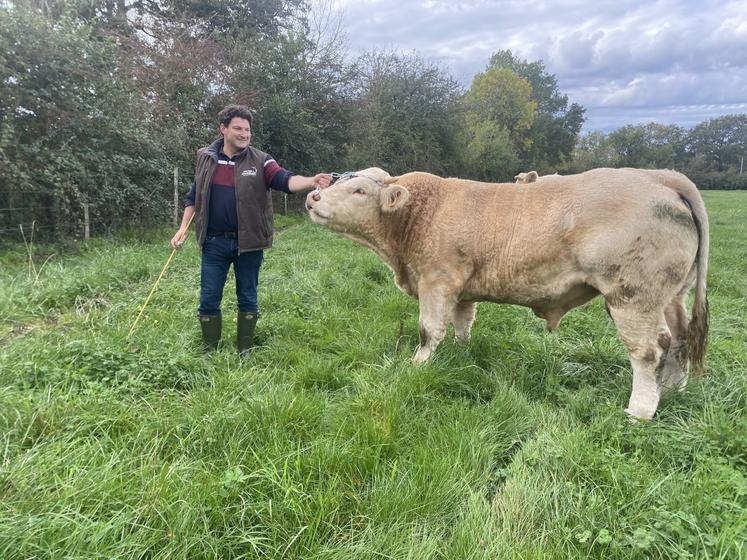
153 289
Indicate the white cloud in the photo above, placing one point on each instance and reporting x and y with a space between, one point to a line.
662 60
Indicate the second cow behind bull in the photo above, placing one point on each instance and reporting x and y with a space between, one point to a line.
637 237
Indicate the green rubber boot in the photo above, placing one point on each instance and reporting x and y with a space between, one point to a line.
211 331
245 325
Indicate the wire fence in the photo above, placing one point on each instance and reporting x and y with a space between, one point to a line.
55 218
24 220
25 228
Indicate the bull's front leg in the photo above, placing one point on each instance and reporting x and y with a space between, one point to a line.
437 310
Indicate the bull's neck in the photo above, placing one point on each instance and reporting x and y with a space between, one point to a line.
380 243
399 231
396 236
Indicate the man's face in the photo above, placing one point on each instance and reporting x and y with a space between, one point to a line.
237 135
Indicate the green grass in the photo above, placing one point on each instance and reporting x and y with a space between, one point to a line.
329 443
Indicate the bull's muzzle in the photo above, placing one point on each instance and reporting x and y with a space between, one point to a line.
311 198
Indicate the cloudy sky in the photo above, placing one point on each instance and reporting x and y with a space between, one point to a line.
626 61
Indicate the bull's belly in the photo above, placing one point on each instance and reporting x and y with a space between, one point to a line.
549 301
526 285
536 296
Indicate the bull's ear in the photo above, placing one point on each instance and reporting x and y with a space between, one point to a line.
531 177
393 197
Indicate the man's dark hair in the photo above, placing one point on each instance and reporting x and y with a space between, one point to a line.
232 111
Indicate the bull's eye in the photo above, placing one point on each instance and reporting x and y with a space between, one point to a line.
359 191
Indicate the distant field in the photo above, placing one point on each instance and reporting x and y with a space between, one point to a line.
328 443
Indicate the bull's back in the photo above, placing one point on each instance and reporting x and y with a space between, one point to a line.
557 234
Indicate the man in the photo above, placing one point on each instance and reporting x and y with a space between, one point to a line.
232 207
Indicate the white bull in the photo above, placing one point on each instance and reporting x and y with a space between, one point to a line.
637 237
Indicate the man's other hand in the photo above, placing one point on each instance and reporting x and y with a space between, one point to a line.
178 240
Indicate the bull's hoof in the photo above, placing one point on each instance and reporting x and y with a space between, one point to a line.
674 382
638 417
421 355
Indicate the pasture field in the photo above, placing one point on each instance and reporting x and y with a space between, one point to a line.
328 443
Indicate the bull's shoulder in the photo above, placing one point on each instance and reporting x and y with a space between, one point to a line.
417 179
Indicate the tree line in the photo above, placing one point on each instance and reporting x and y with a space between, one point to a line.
101 99
712 153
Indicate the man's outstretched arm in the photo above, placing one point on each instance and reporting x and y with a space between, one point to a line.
299 183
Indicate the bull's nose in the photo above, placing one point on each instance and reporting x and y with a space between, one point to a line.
311 198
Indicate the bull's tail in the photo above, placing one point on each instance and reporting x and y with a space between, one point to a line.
697 334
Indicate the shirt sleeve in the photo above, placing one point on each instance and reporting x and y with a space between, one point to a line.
190 199
275 176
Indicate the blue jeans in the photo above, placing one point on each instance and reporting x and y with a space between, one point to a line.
218 254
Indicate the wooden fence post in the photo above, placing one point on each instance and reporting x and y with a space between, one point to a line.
86 222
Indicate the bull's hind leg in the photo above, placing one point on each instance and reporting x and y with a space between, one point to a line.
647 338
674 374
464 316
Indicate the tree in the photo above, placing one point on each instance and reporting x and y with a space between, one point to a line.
667 144
490 155
593 150
651 146
499 114
720 143
108 15
556 127
631 145
73 132
405 115
296 82
234 19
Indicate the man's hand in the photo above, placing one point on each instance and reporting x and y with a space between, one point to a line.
301 183
178 240
322 180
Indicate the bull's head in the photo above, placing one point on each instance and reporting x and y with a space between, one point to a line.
354 204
